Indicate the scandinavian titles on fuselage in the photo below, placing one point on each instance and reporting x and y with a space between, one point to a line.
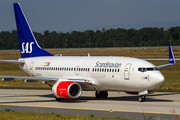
108 64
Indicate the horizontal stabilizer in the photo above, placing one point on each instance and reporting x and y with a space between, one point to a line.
11 61
6 78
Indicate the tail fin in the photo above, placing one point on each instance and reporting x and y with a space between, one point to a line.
27 42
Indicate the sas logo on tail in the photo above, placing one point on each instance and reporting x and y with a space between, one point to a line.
27 47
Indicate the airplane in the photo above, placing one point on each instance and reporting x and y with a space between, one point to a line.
70 75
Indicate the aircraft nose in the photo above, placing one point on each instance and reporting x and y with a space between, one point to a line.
158 79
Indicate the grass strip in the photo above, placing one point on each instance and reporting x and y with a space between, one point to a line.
12 115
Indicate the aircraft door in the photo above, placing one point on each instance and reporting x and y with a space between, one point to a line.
31 68
127 71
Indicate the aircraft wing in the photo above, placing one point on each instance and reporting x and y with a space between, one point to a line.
45 80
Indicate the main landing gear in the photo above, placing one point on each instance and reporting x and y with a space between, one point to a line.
142 98
101 94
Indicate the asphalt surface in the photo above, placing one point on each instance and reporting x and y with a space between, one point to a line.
160 105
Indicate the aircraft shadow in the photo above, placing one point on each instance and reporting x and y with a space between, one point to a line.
92 98
124 98
164 94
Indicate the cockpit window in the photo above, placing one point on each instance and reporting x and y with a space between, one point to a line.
155 68
140 69
150 69
147 69
144 69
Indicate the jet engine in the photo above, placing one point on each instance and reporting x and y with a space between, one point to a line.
66 89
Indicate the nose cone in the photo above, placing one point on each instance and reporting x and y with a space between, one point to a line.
158 79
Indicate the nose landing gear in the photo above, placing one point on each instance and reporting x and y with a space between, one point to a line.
142 98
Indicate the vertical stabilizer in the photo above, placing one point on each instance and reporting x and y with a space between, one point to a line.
27 42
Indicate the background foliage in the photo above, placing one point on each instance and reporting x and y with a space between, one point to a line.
101 38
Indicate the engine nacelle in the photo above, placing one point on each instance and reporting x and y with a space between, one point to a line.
66 89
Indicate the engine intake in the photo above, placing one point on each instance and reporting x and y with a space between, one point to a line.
67 89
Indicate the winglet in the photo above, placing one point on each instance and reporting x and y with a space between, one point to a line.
171 56
27 42
171 59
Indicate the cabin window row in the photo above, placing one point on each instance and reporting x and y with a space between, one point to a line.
105 70
62 69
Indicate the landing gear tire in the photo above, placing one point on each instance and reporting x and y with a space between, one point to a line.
61 99
101 94
104 94
142 98
98 94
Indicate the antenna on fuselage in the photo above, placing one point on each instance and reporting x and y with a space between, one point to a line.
88 55
58 55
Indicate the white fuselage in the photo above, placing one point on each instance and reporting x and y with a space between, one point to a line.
106 73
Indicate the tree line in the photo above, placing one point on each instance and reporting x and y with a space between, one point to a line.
100 38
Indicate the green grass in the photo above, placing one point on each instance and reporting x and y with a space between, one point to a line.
171 73
11 115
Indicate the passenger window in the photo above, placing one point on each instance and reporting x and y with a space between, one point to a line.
144 69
